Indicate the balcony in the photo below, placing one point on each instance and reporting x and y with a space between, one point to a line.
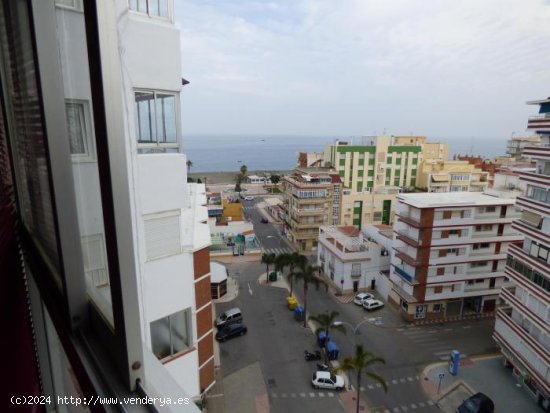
309 211
403 274
509 295
405 237
522 345
402 254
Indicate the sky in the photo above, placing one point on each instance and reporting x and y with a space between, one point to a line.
441 68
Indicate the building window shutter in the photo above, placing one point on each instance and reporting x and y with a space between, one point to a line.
162 235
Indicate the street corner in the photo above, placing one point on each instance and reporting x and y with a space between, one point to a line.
232 291
280 282
348 399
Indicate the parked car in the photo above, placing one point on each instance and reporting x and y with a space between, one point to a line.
230 331
371 304
248 198
478 403
264 221
326 380
233 315
359 298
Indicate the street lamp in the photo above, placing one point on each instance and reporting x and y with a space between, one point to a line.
355 328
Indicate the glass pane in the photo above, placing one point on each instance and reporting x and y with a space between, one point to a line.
160 338
78 104
154 7
76 127
166 118
31 166
180 331
145 117
163 8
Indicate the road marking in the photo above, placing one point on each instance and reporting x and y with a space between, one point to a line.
430 403
302 395
312 394
274 395
409 378
404 408
437 353
396 409
394 381
421 404
369 386
448 329
292 394
417 378
250 289
283 395
320 394
414 406
466 326
403 380
378 385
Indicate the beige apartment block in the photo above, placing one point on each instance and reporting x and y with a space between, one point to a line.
450 253
360 208
451 176
311 199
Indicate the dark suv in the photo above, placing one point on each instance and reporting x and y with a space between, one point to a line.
230 331
478 403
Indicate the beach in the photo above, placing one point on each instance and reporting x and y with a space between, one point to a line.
228 177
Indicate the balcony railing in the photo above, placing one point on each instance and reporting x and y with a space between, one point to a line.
540 116
404 274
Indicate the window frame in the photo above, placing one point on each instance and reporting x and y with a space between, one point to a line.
169 18
88 140
158 147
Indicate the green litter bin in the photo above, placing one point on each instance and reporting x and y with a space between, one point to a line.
272 276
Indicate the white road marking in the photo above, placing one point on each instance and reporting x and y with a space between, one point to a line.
302 395
321 394
394 381
330 394
430 403
421 404
250 289
414 406
409 378
311 394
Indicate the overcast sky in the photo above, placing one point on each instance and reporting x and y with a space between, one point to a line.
442 68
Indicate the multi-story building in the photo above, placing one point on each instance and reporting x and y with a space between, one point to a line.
116 243
311 199
522 328
375 207
516 144
351 259
382 160
451 176
449 253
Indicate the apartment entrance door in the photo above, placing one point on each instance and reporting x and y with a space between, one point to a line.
386 208
355 286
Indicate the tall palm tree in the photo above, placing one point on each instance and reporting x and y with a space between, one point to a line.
244 170
295 259
268 259
306 273
359 364
189 165
326 322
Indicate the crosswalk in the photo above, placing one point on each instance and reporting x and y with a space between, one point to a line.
303 395
249 208
429 339
277 251
404 407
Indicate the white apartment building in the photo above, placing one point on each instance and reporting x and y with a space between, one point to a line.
522 329
118 240
351 260
449 254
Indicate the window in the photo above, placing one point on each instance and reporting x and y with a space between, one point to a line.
162 234
483 245
69 4
438 289
154 8
478 264
437 308
486 227
156 121
172 334
377 216
79 130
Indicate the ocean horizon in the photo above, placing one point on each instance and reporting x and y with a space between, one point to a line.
224 153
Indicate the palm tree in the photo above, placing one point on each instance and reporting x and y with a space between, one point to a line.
189 165
243 170
306 273
326 322
268 259
360 363
238 181
295 259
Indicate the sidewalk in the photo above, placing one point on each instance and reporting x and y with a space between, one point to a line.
480 374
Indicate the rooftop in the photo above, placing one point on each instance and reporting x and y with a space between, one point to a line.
443 199
538 102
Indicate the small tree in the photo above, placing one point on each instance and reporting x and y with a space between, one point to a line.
359 364
326 322
268 259
189 165
244 171
306 273
295 259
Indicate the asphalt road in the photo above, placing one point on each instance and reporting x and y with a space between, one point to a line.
278 342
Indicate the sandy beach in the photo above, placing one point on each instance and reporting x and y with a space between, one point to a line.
227 177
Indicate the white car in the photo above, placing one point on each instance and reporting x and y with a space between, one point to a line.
370 305
248 198
326 380
359 298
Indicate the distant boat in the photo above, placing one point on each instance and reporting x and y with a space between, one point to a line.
239 161
263 140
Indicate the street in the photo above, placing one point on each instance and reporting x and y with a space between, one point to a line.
277 341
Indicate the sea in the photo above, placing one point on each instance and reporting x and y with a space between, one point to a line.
217 153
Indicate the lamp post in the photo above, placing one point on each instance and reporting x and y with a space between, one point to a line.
355 329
